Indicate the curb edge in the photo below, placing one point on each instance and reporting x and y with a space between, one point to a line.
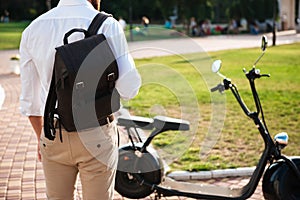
222 173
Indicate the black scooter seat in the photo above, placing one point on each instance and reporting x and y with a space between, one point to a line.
136 121
164 123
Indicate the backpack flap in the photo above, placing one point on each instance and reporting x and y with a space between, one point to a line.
73 54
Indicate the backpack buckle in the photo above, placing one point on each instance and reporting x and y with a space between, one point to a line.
79 85
111 76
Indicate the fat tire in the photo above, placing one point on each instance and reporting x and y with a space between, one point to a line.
281 183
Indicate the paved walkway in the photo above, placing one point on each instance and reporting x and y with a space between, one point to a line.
21 176
206 44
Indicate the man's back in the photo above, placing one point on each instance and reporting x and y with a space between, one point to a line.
46 32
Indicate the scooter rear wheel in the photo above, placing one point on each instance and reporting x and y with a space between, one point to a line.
131 163
280 182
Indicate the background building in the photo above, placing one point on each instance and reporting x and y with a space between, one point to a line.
287 13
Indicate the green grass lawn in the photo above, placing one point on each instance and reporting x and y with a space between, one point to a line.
178 86
172 84
10 34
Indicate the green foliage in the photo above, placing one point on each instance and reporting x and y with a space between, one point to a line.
23 9
157 10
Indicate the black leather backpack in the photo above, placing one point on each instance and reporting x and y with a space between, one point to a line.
82 93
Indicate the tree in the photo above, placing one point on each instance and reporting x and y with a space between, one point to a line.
23 9
157 10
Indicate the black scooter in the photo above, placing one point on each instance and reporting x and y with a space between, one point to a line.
140 170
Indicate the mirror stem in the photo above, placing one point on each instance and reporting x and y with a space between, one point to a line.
263 53
224 77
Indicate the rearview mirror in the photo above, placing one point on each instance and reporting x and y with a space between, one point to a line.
216 66
264 43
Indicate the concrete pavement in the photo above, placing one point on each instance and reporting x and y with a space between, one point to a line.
21 175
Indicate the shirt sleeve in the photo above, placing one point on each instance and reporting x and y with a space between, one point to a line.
129 80
30 98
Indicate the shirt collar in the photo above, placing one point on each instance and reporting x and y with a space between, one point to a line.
73 2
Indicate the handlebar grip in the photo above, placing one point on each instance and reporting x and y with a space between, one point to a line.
214 88
265 75
220 87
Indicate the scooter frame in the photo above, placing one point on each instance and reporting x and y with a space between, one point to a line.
271 153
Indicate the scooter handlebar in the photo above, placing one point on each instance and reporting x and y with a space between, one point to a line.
220 87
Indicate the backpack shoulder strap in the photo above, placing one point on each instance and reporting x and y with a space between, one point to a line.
97 22
49 112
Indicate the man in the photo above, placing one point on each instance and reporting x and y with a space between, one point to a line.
95 158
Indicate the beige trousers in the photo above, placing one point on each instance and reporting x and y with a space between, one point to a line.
92 153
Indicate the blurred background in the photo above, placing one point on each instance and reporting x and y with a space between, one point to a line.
177 13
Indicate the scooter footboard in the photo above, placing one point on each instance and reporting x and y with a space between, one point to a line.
281 182
195 190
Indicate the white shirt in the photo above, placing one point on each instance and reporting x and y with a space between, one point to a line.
37 51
